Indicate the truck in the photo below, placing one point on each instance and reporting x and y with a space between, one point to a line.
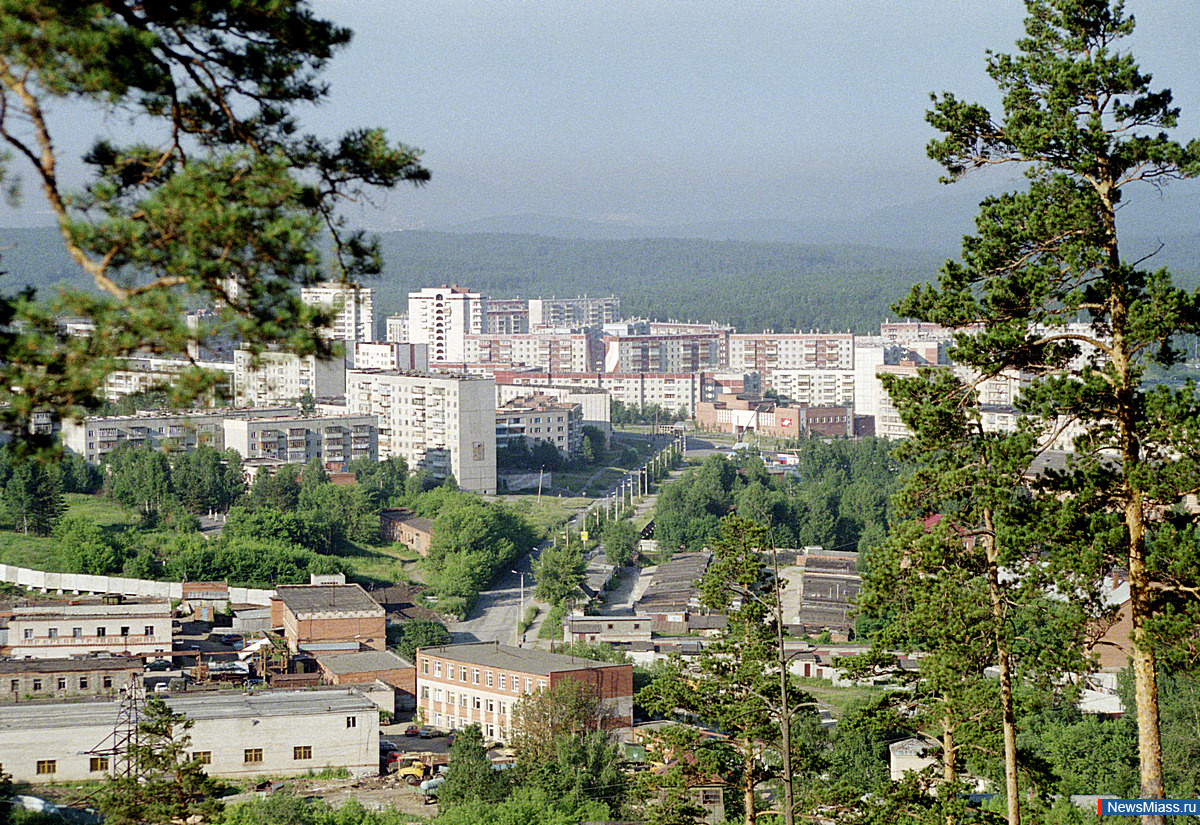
414 772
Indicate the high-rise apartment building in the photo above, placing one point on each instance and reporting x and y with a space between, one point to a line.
442 317
282 377
355 305
439 422
574 312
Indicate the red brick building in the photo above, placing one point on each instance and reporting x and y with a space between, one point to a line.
369 665
459 685
403 525
328 617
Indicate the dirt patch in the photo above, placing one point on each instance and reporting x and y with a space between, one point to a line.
376 793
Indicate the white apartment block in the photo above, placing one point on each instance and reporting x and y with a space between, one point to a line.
96 436
593 403
111 624
442 318
396 327
574 312
443 423
548 351
671 391
333 439
815 388
391 355
355 305
664 353
144 374
282 377
540 418
769 352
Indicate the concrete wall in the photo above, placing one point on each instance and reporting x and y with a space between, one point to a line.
80 583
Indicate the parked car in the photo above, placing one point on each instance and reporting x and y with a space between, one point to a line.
428 733
387 746
412 730
159 665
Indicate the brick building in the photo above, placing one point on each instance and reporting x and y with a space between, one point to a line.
45 678
328 617
371 665
459 685
110 624
403 525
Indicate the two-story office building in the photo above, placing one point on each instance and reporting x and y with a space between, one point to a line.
110 624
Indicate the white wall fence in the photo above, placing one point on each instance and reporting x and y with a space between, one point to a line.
82 584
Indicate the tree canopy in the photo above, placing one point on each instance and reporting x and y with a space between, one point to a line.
221 199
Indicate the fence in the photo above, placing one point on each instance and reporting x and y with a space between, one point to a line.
81 583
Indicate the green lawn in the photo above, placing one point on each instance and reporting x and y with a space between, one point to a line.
44 553
835 699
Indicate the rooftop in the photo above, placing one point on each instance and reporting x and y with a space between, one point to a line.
326 598
520 659
365 661
214 705
70 665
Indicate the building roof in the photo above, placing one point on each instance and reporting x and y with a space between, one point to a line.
70 665
208 705
520 659
326 598
366 661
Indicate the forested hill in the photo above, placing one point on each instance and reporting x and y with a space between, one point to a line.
753 286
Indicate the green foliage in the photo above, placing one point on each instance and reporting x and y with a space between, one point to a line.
410 635
33 497
620 540
88 549
597 651
558 571
286 809
246 561
471 777
279 490
173 786
207 481
224 203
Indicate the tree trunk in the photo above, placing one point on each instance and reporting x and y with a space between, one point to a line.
748 787
1145 678
1008 718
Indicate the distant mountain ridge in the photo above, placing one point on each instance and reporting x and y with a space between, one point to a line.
744 281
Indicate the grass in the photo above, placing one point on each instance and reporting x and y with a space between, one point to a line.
45 553
836 699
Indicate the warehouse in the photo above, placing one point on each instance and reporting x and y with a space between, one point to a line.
266 733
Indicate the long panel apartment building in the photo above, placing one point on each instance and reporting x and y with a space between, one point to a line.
283 377
442 423
335 440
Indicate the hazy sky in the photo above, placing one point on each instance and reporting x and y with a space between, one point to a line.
672 111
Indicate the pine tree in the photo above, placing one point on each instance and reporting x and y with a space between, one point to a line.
1085 124
33 497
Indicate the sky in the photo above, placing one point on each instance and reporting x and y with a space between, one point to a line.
653 112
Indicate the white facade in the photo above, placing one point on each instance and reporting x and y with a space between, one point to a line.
664 353
144 374
442 318
396 327
815 388
597 411
669 391
334 439
355 305
549 351
283 377
580 311
97 436
236 735
443 423
391 355
769 352
53 630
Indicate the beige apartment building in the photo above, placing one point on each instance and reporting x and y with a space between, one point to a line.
283 377
438 422
335 440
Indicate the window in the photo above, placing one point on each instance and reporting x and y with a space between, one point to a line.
450 672
491 706
45 766
16 685
504 707
302 752
462 699
99 764
352 721
491 731
148 630
108 681
528 685
253 756
62 682
541 684
503 682
100 632
83 683
437 668
437 694
203 757
425 666
477 704
463 674
124 631
37 685
77 632
487 678
28 633
52 633
424 691
449 697
474 675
